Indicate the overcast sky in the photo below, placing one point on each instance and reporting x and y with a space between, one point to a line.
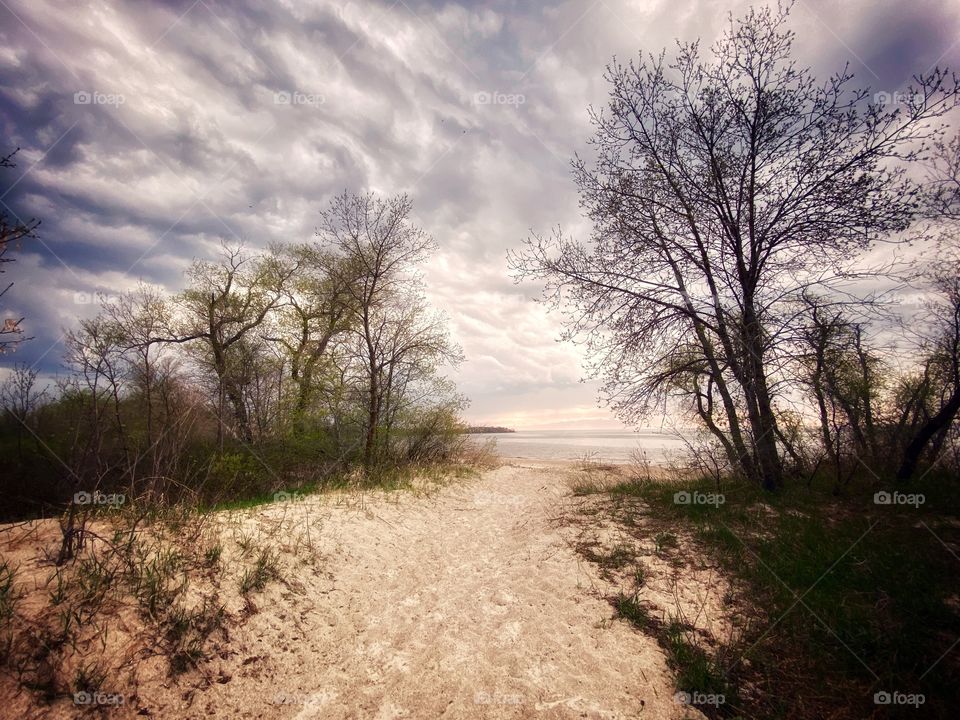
151 131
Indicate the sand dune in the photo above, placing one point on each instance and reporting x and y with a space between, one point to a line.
467 602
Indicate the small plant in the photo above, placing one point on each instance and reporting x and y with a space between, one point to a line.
212 555
157 581
59 592
265 569
697 671
94 578
8 598
187 631
245 543
586 486
629 608
663 540
89 677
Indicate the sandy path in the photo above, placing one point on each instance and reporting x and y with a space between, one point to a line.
465 604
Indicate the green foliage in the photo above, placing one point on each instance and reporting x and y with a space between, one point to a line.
235 473
697 670
258 376
841 594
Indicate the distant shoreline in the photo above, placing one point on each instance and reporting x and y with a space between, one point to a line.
487 430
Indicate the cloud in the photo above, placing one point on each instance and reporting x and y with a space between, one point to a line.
197 122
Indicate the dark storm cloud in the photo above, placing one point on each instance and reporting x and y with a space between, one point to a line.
208 121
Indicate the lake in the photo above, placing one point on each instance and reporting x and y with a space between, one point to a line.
610 446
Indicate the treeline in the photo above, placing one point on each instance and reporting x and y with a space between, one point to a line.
734 201
271 369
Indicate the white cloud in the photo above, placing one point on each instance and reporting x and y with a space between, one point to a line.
201 149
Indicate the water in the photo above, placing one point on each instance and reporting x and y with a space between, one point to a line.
610 446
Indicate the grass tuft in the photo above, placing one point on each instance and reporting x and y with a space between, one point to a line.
266 568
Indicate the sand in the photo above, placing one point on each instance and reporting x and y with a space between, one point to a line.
467 602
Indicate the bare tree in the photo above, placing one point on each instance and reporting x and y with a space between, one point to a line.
381 248
722 190
139 316
13 231
409 344
844 375
941 374
96 353
942 362
20 397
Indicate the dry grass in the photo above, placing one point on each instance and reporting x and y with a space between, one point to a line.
141 595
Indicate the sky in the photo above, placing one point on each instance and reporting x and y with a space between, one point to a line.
150 132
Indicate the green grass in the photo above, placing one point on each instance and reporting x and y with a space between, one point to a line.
89 677
157 580
631 610
187 630
697 671
265 569
388 478
846 597
8 598
212 555
248 502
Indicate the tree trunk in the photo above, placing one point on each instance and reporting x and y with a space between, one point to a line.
940 421
240 414
763 422
373 419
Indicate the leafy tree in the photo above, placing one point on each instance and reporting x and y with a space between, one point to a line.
224 305
316 312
